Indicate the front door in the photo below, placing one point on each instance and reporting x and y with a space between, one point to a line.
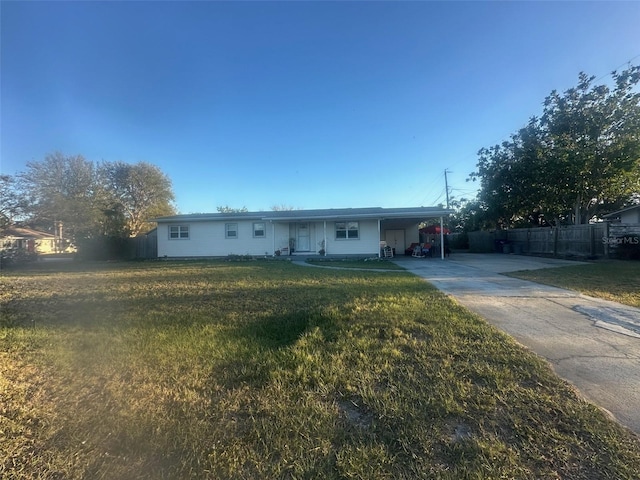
303 240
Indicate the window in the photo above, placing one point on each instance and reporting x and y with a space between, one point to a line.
347 230
178 232
259 230
230 230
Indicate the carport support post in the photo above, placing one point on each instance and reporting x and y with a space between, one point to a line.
441 239
379 240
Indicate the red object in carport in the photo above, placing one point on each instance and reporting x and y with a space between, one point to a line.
434 229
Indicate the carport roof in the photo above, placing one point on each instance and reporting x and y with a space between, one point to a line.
378 213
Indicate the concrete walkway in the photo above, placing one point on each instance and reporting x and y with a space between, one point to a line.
592 343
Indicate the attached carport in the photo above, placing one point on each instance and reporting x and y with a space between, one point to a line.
400 228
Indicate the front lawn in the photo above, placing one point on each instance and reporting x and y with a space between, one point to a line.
264 369
615 280
364 263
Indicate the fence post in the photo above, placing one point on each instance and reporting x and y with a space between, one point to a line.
606 242
555 241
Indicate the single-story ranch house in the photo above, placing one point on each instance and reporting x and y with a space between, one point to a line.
27 239
344 231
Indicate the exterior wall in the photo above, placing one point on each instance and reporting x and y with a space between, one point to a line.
281 238
207 239
631 216
45 245
368 242
411 235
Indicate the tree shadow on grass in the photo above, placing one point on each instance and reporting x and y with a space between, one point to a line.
267 342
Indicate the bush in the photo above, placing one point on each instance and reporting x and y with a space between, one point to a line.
14 256
105 248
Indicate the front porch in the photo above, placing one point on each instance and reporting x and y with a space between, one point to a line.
348 238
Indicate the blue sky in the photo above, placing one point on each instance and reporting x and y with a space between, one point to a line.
307 104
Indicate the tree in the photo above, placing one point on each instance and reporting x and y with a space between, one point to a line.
580 158
134 194
11 202
228 209
282 208
61 190
113 198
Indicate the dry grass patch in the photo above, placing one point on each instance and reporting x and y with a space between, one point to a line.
270 370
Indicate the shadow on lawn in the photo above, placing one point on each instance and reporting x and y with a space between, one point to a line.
267 346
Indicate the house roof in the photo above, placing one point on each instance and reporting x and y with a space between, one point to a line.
23 232
417 213
616 214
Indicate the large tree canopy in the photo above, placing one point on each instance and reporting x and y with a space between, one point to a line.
580 158
137 193
112 198
62 189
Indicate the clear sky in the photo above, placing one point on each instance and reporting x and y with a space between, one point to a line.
307 104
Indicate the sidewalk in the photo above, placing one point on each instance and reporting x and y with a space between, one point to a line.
594 344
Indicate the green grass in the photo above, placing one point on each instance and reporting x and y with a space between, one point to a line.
614 280
252 370
367 264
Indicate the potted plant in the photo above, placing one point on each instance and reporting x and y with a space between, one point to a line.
322 250
292 245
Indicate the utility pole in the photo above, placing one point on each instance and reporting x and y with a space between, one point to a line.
446 186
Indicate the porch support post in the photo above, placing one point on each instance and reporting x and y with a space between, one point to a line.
441 238
379 238
273 236
324 237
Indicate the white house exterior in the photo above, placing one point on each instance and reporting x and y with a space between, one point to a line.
348 231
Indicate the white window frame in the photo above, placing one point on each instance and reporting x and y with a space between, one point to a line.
231 227
263 229
182 232
346 229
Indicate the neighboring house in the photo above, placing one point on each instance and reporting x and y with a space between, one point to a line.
622 233
345 231
27 239
629 215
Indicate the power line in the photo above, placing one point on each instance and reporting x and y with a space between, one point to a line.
446 186
628 62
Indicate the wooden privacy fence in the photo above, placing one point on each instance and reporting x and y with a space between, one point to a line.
574 240
143 247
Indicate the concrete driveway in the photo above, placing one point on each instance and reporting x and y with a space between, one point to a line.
592 343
